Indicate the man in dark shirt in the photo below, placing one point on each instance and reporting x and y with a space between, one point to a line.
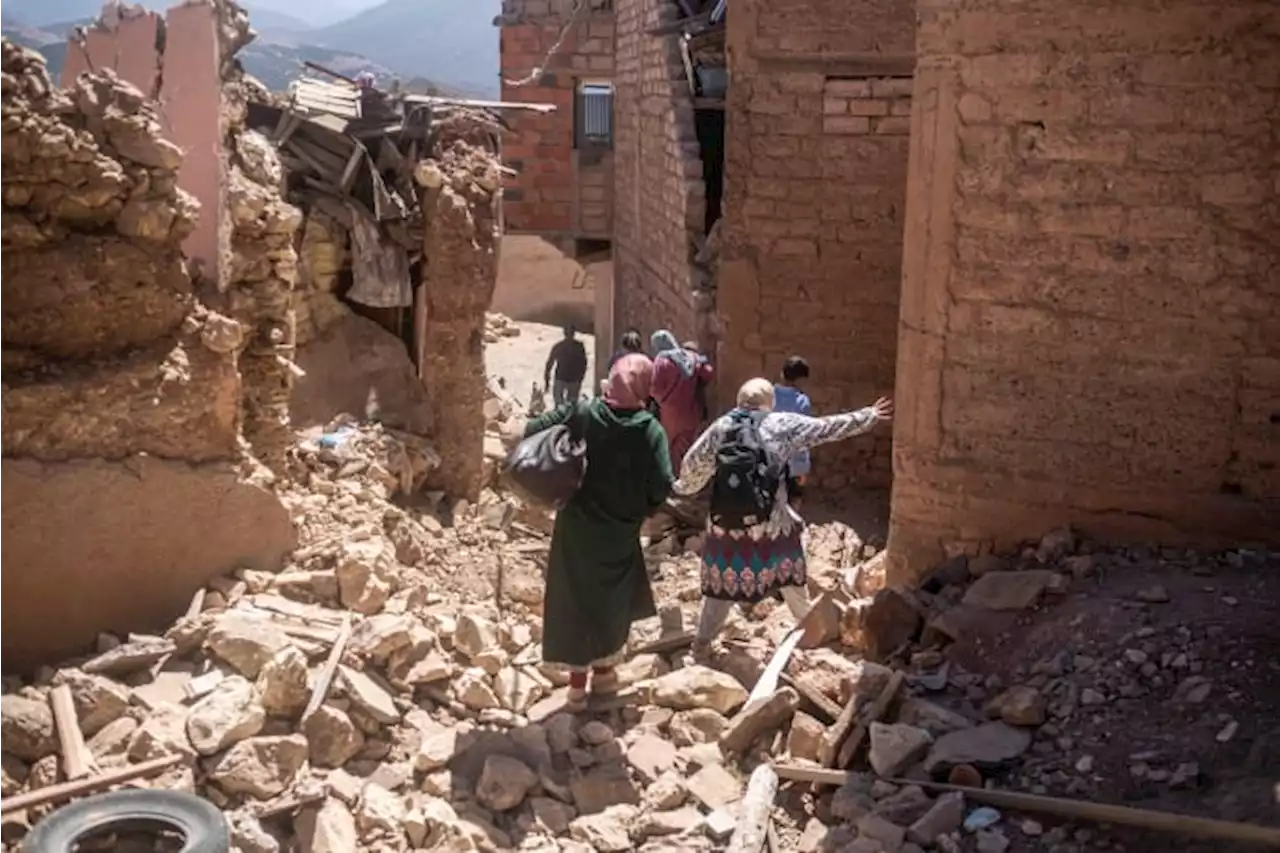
569 357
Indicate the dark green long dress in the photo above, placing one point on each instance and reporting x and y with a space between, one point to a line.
597 584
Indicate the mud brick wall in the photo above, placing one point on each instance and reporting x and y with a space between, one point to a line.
660 197
1091 307
816 175
556 192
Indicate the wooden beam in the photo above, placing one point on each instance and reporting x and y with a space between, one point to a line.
876 712
77 760
754 812
330 668
1070 809
816 697
91 785
478 104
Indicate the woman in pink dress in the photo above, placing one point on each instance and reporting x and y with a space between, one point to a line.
679 373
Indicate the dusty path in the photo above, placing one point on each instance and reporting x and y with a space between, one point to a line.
519 360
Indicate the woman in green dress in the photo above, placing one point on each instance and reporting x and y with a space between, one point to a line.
597 584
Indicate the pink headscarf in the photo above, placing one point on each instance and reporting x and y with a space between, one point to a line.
628 384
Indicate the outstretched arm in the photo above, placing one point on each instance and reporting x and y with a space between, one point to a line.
700 462
660 480
794 432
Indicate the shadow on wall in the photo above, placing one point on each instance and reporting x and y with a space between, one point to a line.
538 283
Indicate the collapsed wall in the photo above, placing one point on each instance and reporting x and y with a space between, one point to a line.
261 267
122 393
461 180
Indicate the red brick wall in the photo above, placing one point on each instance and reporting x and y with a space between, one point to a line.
659 197
816 185
553 193
1091 306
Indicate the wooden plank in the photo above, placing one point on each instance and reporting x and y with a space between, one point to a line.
878 709
330 668
306 612
767 684
91 785
1063 807
666 645
77 760
836 734
486 105
752 830
828 709
196 605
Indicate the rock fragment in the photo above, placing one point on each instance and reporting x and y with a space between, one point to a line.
230 713
260 767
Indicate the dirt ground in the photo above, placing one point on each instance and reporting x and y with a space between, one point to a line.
519 360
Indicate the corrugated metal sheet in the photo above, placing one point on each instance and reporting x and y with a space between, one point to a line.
318 97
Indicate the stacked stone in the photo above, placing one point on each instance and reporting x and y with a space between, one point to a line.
324 254
263 264
106 351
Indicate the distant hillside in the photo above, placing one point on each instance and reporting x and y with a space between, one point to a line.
450 45
452 41
308 13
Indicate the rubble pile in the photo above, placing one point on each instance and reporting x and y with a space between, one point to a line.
106 351
498 326
263 264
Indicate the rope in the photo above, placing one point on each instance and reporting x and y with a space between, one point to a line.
536 74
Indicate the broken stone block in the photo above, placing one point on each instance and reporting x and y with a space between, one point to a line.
162 733
285 683
368 695
905 806
248 836
516 690
893 620
381 635
260 767
601 787
698 687
98 700
986 747
1020 705
651 756
113 738
714 787
943 818
895 746
27 727
875 828
230 713
437 749
701 725
328 828
804 741
246 644
473 690
605 831
475 634
1008 590
430 823
552 815
763 715
379 811
431 668
504 783
668 792
932 717
365 572
133 656
332 738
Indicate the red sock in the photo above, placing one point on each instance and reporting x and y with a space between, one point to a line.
578 679
603 671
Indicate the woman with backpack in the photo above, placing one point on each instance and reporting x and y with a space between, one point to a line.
597 583
752 547
680 374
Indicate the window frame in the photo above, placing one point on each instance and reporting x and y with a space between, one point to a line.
604 89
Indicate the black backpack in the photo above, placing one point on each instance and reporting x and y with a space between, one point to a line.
746 481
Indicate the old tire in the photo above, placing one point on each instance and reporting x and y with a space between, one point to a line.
198 822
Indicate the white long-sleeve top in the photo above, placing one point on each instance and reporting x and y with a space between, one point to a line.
783 434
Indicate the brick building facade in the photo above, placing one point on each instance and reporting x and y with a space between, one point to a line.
1090 326
659 192
818 127
1049 227
564 159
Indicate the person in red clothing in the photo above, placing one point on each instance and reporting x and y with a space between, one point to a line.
679 374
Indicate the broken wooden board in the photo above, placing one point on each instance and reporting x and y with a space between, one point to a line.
767 683
665 645
325 679
755 812
876 712
90 785
809 691
77 760
1062 807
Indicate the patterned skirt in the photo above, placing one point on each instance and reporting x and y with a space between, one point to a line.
737 566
